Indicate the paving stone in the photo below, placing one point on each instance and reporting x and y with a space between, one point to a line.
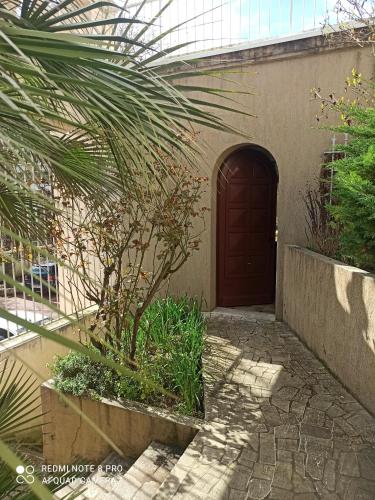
263 471
287 431
230 455
315 464
366 459
320 402
329 477
361 421
247 456
271 416
283 476
288 419
318 445
348 464
299 459
211 454
323 492
315 417
283 404
360 489
267 452
279 494
316 431
302 484
286 393
284 456
241 477
237 494
287 444
347 428
335 411
259 488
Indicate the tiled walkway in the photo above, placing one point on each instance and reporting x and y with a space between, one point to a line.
279 425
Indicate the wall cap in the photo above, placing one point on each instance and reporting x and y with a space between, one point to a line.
134 406
55 325
329 260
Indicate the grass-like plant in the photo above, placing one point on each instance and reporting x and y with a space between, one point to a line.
170 347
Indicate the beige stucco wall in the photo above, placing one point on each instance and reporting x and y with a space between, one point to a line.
280 78
67 435
331 307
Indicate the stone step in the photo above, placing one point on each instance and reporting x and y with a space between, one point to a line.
145 476
100 483
137 480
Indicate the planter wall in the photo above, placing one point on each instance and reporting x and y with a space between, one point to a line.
67 435
331 307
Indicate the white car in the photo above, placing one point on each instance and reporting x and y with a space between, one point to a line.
10 329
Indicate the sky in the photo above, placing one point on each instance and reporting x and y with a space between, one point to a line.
227 22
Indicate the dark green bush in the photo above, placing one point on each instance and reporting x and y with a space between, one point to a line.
169 354
352 205
354 189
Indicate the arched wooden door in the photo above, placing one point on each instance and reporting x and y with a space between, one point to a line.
246 224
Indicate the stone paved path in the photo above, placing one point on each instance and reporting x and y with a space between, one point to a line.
279 425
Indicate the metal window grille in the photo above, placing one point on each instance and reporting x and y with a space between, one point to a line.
35 268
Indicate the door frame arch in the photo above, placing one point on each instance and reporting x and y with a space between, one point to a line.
225 155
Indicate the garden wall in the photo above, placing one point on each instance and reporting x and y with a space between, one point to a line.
68 435
331 307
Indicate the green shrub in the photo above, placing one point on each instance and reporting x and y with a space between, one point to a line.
354 189
77 374
353 202
169 354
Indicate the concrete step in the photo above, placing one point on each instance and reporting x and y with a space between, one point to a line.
137 480
144 477
100 483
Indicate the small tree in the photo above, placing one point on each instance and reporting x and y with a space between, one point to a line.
124 251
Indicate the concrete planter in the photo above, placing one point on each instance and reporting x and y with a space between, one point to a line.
331 307
68 435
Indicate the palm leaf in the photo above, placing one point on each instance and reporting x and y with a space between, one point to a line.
130 100
77 98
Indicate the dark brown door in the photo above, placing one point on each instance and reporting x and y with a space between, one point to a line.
246 250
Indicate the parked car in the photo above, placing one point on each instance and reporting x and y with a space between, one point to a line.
14 329
46 271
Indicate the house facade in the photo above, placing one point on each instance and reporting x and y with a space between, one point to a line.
257 178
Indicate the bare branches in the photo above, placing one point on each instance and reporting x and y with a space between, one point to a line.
356 22
126 249
321 231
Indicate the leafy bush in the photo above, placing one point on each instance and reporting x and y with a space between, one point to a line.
170 347
354 190
77 374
